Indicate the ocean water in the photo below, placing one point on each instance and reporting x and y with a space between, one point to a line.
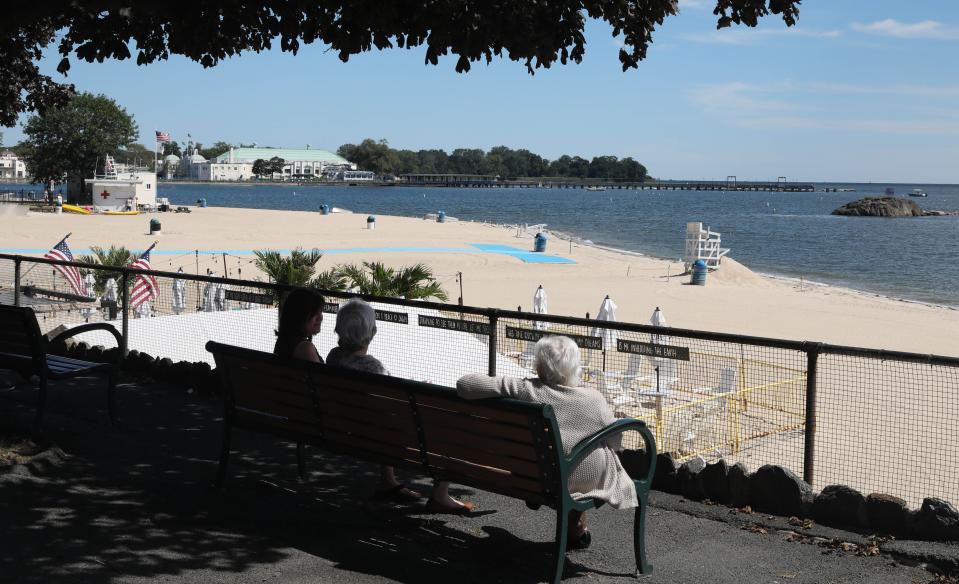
783 234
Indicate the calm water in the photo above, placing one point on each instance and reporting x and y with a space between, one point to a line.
786 234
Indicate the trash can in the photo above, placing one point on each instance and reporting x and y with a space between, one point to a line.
371 222
441 217
202 203
324 209
539 242
699 273
154 226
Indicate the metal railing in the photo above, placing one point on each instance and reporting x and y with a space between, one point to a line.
879 421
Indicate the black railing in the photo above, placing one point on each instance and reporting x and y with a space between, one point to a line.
873 419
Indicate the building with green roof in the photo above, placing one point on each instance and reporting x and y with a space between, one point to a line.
237 164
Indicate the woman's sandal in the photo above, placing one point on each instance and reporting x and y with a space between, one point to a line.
398 494
434 507
579 542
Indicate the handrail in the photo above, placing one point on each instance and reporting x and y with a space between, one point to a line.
800 346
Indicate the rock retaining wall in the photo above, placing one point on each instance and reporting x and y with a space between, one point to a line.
778 491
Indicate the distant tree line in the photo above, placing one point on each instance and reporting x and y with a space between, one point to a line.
378 156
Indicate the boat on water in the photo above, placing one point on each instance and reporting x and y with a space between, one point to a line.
918 193
595 189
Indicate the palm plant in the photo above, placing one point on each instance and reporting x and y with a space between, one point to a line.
330 279
411 282
115 256
297 269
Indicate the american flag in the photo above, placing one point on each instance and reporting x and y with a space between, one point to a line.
145 287
61 251
163 136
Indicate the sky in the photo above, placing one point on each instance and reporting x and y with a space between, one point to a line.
858 91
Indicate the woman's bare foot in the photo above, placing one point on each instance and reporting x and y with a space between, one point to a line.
449 505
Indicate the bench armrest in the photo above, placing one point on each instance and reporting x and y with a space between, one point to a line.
590 443
85 328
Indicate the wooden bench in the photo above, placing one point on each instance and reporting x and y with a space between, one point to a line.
23 348
504 446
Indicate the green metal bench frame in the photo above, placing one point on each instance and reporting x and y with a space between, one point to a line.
23 348
288 398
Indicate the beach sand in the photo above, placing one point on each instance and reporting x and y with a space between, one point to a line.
734 300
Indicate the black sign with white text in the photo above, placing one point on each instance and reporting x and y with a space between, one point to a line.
251 297
390 316
653 350
533 335
453 324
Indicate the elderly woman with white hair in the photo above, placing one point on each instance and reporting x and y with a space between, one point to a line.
355 329
579 413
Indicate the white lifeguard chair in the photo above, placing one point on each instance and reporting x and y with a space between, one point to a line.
702 244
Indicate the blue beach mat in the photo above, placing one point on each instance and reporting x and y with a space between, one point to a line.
527 256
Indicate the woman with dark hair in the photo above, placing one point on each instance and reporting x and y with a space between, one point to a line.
300 318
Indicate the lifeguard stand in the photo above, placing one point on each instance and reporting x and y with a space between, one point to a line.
702 244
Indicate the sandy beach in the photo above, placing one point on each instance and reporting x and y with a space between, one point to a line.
735 300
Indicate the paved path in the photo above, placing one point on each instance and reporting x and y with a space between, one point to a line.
133 504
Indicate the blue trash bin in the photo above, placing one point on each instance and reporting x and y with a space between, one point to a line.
699 273
324 209
539 242
441 217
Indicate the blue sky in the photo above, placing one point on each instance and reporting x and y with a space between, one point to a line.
858 91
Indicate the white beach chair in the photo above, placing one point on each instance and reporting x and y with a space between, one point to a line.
726 387
657 385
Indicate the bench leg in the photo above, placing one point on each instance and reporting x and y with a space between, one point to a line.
41 404
111 398
562 518
639 537
300 461
224 453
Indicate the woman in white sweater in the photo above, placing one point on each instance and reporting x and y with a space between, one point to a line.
580 412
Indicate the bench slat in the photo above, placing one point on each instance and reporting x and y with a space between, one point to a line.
481 442
363 401
455 404
447 419
516 467
293 430
386 452
328 410
505 483
329 379
399 438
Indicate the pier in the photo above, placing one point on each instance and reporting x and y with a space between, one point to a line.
495 182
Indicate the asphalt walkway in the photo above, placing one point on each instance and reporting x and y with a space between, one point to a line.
134 504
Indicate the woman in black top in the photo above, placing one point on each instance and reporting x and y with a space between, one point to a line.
300 318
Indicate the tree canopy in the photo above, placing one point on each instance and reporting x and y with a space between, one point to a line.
533 32
499 160
68 140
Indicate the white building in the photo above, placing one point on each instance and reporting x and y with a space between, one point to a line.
237 164
11 167
121 187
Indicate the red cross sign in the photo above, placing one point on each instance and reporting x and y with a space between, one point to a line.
105 194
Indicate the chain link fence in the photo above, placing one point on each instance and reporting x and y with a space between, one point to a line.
873 420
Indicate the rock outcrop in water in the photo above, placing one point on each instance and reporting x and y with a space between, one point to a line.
887 207
880 207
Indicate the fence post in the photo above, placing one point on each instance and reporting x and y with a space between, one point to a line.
493 318
16 282
809 448
125 317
